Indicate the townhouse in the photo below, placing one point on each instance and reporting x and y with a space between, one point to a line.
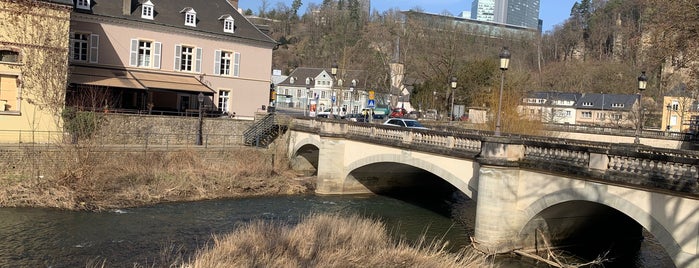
158 56
316 89
612 110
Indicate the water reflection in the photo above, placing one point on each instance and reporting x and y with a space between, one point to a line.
46 237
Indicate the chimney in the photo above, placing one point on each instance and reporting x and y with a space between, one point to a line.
234 3
126 11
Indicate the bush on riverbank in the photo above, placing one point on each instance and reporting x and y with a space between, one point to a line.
96 178
326 241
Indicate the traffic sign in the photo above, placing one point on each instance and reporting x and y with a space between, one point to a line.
371 94
333 98
371 104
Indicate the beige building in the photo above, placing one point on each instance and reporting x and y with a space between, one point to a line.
157 56
33 53
679 113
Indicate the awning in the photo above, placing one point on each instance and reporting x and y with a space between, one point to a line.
171 82
122 78
95 76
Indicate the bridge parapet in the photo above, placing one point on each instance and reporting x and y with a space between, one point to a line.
629 164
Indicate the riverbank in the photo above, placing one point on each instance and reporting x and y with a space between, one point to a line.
97 178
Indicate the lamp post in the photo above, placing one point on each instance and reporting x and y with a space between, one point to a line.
434 96
642 83
333 72
453 90
200 135
669 116
308 96
504 64
352 85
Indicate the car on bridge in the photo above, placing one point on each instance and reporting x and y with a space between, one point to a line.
404 122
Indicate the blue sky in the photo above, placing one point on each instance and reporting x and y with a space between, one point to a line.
551 11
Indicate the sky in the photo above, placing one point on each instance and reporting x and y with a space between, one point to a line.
553 12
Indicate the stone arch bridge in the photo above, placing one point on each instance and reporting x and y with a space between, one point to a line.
522 185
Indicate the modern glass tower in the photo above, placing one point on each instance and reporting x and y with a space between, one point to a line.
483 10
523 13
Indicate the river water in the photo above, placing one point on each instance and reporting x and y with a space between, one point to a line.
31 237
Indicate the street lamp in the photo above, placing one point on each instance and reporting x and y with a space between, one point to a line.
308 96
200 98
434 96
453 89
642 83
333 71
504 64
352 85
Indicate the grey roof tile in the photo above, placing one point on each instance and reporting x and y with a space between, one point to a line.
167 12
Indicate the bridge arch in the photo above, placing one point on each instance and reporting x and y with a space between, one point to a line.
618 203
304 156
467 185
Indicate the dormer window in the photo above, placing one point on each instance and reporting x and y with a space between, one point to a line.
587 104
147 10
228 23
190 16
83 4
617 105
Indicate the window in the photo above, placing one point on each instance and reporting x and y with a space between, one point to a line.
568 114
145 53
298 93
587 104
222 63
9 56
600 116
673 120
223 97
83 4
147 10
617 105
9 94
190 16
616 117
587 114
188 58
675 106
84 47
228 23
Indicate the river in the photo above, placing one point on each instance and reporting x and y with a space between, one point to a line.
33 237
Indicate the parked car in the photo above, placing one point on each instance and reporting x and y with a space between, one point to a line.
404 122
355 117
336 112
398 112
431 114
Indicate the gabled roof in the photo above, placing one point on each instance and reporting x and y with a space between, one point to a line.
168 13
299 76
607 101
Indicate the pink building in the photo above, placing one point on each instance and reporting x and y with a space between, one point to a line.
157 56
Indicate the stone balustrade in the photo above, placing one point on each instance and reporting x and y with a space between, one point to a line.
637 165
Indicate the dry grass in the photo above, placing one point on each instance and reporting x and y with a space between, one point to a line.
326 241
93 178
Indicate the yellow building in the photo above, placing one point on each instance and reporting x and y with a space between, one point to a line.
33 69
679 113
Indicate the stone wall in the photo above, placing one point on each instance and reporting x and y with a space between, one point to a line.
169 130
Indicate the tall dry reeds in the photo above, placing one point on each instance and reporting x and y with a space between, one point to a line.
326 241
97 177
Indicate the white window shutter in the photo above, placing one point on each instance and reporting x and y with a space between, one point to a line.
217 62
94 48
156 54
133 60
236 64
178 57
197 68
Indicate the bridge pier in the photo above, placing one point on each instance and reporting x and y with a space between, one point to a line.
333 176
498 221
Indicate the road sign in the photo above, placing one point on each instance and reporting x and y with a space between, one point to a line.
371 94
371 104
333 98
